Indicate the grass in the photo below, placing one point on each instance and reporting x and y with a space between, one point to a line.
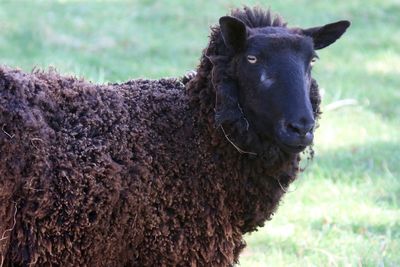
344 210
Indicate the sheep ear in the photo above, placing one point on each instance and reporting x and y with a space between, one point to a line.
327 34
233 32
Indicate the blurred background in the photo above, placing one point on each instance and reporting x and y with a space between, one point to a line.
344 210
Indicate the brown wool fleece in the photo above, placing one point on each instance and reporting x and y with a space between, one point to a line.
131 174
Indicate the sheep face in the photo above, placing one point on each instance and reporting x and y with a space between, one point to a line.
272 69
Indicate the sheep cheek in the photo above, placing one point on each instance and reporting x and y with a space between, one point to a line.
266 81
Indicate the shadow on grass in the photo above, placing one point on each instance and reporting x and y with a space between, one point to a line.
373 167
359 227
374 160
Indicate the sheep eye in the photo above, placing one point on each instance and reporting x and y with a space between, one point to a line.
251 59
313 60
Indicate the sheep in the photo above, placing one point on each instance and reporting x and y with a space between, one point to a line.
157 172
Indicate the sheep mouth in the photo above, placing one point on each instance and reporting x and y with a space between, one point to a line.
288 146
293 145
292 149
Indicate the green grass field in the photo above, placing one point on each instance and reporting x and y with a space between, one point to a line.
345 209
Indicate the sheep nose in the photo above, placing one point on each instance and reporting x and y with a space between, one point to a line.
300 128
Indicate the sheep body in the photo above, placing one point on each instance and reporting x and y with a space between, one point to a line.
114 175
106 175
131 174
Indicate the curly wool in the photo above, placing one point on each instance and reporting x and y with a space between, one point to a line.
132 174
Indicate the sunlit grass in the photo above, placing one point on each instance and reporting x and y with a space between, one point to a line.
387 63
344 209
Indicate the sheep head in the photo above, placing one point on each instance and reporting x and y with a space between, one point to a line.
268 92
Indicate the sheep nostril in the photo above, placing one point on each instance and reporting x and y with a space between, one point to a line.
300 129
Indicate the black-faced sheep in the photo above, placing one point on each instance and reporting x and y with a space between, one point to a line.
155 173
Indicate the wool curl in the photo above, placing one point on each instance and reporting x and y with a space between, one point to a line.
132 174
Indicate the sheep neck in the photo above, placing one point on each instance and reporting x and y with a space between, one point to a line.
253 184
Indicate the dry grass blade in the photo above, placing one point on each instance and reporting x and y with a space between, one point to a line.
4 131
